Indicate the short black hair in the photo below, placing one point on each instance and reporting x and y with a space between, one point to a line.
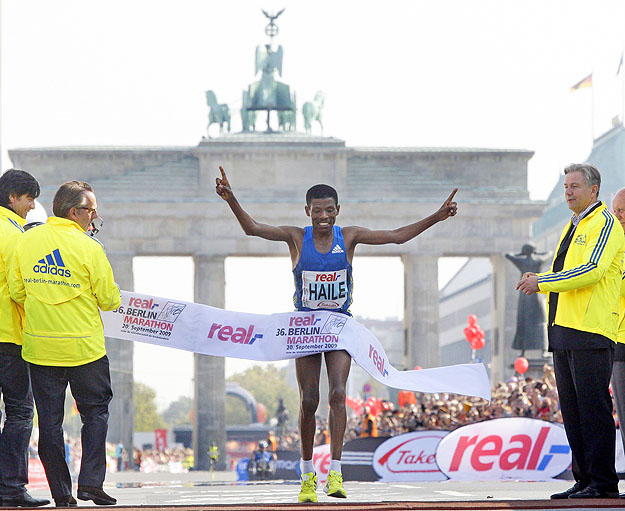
17 182
321 192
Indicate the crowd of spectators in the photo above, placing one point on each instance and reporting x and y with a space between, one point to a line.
518 397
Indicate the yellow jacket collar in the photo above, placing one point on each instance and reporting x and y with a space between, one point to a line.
63 222
12 215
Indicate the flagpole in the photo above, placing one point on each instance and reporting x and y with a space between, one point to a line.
592 111
622 92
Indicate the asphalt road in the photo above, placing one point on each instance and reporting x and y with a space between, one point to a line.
206 489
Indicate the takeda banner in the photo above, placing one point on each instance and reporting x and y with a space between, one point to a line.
510 448
212 331
409 457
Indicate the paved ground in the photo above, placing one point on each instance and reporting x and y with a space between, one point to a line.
220 491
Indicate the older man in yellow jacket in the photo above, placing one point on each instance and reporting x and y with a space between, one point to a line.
18 190
584 287
62 277
618 368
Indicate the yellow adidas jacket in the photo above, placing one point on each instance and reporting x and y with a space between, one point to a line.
11 314
62 276
590 281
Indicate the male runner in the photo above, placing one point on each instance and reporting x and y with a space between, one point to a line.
322 266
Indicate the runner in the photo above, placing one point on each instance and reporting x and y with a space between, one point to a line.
322 266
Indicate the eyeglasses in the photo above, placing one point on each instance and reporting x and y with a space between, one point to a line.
91 210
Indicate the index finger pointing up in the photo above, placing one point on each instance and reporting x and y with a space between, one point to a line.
449 199
223 173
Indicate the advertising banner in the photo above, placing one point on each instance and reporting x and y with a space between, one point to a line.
160 439
357 459
287 465
36 475
511 448
409 457
212 331
321 461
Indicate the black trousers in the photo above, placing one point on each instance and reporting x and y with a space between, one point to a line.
91 387
18 424
583 378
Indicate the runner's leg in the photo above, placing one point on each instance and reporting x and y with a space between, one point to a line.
338 364
308 370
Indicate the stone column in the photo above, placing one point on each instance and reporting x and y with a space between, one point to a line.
505 277
421 311
209 404
120 353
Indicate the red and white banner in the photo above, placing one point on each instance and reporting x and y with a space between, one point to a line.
160 439
36 475
218 332
409 457
321 460
510 448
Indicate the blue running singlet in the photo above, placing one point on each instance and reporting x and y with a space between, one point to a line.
323 281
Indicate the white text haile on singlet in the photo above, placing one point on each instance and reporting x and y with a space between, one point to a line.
324 289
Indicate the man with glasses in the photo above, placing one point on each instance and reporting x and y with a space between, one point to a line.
18 190
62 277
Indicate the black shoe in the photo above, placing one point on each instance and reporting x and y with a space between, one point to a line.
590 492
573 489
25 500
68 501
98 496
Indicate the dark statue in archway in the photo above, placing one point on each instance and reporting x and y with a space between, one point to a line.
531 323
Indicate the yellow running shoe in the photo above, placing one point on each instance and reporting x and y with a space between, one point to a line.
309 485
334 485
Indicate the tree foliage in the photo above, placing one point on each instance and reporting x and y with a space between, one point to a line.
178 412
147 417
267 384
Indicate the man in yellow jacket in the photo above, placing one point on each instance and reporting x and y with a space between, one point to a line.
62 277
584 287
18 190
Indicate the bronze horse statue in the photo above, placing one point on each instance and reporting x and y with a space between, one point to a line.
218 113
312 112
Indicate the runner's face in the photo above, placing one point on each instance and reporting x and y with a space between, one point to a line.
21 204
323 213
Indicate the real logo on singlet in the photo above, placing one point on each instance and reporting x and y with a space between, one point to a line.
324 289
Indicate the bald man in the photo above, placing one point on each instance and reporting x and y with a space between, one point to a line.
618 367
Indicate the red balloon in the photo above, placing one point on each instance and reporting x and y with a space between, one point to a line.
418 368
478 343
480 332
468 333
521 365
472 319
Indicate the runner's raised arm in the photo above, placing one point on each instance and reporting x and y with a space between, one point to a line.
355 235
250 226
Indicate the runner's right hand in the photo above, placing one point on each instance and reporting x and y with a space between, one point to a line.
223 186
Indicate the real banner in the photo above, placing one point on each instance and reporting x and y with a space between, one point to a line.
212 331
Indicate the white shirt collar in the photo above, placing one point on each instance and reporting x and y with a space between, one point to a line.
576 218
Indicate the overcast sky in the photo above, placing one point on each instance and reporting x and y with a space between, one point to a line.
487 73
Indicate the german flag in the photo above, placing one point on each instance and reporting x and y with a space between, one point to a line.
584 82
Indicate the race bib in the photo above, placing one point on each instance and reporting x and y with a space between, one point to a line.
324 289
